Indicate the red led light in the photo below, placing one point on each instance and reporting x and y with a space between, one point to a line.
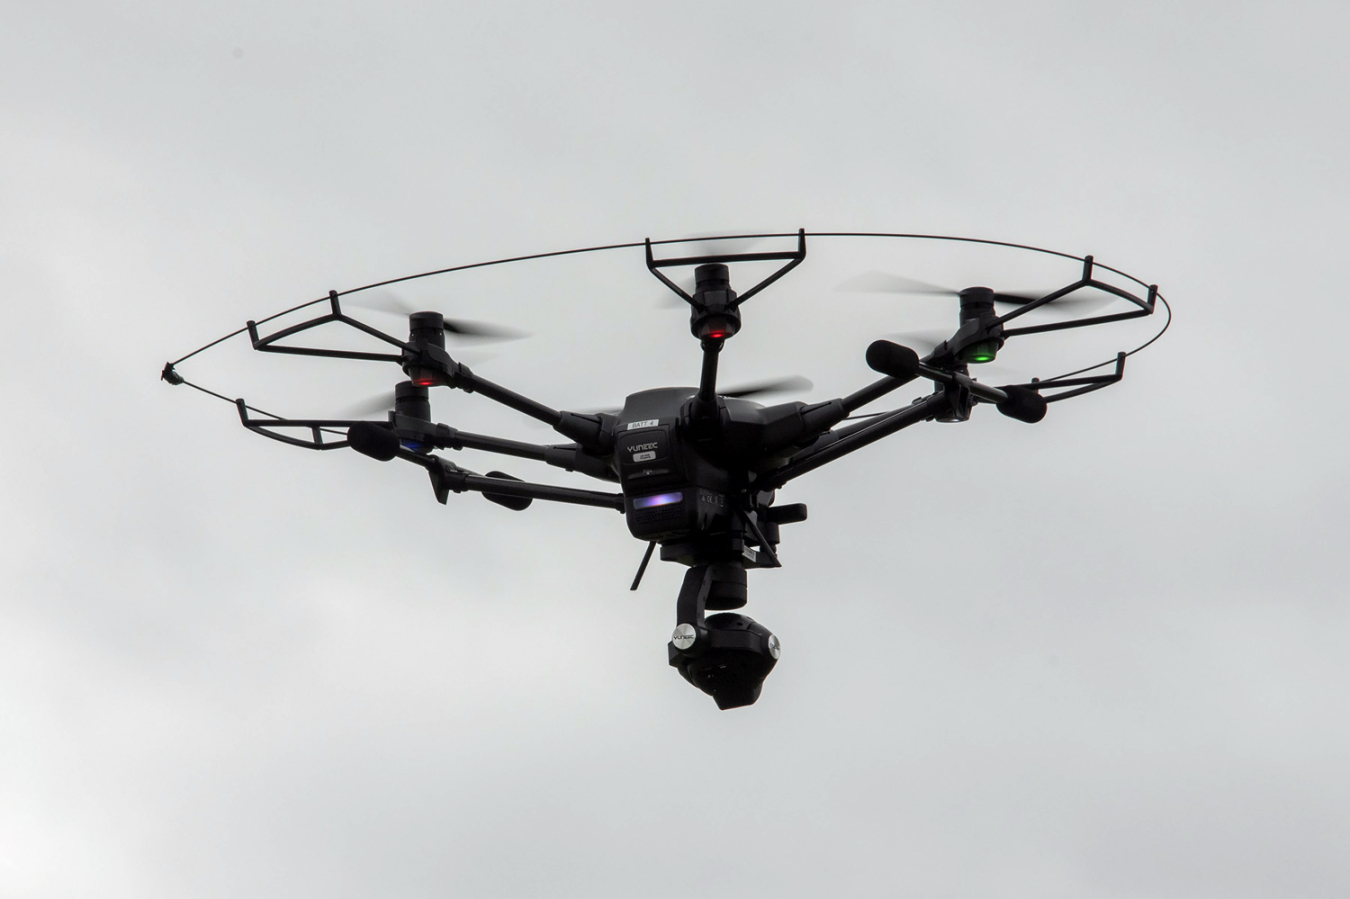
425 377
716 326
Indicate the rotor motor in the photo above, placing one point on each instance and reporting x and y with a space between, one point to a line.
714 314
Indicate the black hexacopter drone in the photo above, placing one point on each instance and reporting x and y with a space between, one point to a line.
697 470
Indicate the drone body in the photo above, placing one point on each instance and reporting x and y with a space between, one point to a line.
698 469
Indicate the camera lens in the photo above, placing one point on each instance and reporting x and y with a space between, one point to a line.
732 662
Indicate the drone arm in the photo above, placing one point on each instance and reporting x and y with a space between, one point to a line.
812 422
458 440
704 409
707 383
526 490
874 391
571 457
901 365
458 375
566 456
980 391
513 400
587 430
447 478
1019 402
823 453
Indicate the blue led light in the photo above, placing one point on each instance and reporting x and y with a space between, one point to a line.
661 499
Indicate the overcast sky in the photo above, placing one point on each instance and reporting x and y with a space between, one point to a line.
1100 656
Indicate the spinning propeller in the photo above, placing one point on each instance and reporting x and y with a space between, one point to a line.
712 245
384 402
790 384
392 304
885 282
372 405
979 336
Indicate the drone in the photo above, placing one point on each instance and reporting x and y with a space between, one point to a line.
697 469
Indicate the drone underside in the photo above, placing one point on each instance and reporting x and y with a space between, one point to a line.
697 470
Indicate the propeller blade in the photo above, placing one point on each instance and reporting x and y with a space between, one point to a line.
388 302
921 342
482 330
383 402
885 282
381 301
880 282
710 245
794 383
1076 303
718 245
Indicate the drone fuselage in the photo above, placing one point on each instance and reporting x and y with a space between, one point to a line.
688 477
698 468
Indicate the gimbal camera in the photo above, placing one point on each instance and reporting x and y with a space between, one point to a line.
698 469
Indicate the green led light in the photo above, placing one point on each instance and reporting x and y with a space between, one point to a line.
980 351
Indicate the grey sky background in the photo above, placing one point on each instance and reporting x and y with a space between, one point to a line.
1103 656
